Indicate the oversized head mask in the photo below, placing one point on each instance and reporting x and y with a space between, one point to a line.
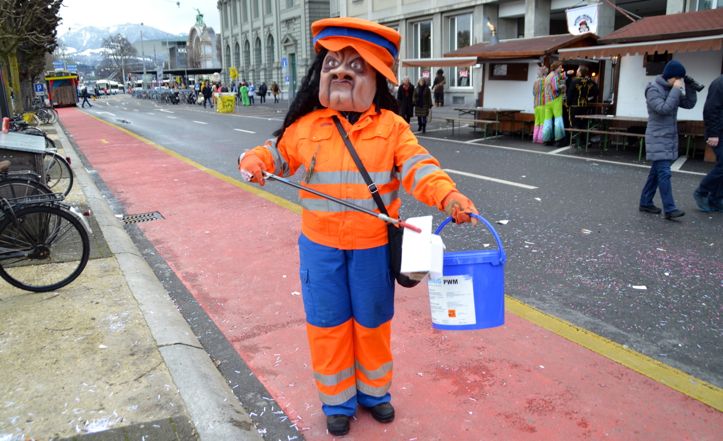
357 50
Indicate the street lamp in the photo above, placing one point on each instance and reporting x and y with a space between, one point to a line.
143 57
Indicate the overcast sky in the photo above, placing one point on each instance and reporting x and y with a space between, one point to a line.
167 15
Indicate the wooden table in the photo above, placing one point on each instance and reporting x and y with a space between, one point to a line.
501 114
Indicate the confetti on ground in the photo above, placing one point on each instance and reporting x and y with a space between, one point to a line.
640 287
503 222
585 231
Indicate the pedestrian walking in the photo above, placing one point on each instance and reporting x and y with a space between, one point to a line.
347 289
709 194
252 92
263 89
405 98
553 128
663 97
207 93
438 87
85 95
243 92
422 104
538 99
275 91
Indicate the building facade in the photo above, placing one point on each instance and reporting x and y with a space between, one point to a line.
269 40
258 35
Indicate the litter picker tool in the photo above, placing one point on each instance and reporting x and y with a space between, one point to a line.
380 216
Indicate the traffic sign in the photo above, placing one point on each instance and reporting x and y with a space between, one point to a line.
58 65
73 68
39 88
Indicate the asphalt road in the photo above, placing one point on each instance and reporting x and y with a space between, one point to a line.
577 246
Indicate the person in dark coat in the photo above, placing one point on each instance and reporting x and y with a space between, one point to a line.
581 92
663 97
405 98
85 95
438 87
709 194
262 92
207 92
422 98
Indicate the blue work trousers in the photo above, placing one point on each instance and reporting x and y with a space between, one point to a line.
339 286
712 183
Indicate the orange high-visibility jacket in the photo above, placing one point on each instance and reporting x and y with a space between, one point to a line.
389 151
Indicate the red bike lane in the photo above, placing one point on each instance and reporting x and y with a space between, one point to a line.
236 253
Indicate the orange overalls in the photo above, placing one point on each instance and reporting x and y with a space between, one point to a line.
343 252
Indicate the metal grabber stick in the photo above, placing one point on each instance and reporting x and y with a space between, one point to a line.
380 216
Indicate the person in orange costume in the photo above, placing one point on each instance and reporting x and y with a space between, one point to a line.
347 287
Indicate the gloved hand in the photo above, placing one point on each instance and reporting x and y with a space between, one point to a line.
251 168
459 206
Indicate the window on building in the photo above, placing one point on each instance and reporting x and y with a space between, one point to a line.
256 8
270 50
257 59
235 12
460 35
225 13
237 56
289 3
267 6
702 5
227 61
247 55
244 11
422 45
508 71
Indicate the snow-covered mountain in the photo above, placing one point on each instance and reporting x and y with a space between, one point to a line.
91 37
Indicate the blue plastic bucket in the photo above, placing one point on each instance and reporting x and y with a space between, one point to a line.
471 292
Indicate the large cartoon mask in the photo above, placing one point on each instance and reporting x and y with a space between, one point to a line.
358 49
348 83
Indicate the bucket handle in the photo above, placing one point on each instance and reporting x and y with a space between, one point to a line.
500 249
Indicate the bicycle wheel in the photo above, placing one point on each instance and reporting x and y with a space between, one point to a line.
43 249
21 187
58 175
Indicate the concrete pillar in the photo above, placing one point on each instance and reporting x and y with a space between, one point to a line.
537 18
606 19
674 6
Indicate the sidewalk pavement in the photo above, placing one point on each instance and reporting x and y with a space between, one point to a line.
108 357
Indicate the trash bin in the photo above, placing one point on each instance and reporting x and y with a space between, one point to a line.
225 102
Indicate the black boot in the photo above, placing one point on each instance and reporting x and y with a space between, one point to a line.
337 425
424 128
384 413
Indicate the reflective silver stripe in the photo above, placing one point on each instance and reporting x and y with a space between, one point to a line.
411 162
373 391
340 398
334 379
332 207
350 177
376 373
423 171
281 167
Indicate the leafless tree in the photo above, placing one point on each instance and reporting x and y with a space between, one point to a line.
119 52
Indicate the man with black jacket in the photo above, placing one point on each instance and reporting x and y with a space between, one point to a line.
207 92
709 194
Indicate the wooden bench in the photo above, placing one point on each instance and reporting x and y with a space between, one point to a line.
605 134
459 122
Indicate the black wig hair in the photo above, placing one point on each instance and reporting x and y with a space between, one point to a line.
307 97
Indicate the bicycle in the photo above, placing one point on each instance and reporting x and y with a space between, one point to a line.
44 243
19 184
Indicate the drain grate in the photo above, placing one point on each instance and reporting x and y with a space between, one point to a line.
142 217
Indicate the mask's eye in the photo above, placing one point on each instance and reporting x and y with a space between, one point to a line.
330 62
357 65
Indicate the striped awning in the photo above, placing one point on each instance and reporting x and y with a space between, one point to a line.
440 62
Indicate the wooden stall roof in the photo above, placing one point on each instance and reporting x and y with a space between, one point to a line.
669 27
519 48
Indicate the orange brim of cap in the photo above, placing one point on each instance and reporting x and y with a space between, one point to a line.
379 58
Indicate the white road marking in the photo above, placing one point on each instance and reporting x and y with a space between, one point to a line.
164 110
473 141
200 122
487 178
171 117
102 112
560 150
150 113
245 131
577 158
678 163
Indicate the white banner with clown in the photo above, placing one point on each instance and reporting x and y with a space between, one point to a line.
582 20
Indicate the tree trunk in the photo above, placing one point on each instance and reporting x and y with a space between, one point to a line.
6 81
18 105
